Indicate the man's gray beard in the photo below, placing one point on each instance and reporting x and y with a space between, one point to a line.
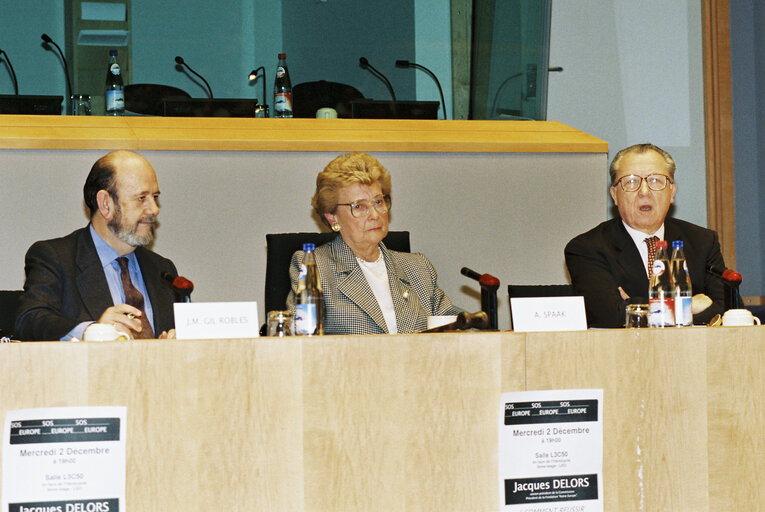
128 235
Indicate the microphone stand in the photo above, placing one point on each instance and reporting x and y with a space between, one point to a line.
179 60
261 110
364 63
12 72
407 64
732 296
489 286
48 41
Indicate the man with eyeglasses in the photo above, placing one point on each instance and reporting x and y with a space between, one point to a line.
609 265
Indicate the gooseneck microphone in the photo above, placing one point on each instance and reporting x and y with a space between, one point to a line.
489 286
364 63
179 284
407 64
47 40
12 72
179 60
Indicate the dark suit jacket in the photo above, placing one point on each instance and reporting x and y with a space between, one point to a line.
350 306
605 258
65 285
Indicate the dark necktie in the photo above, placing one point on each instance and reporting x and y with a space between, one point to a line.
134 298
651 243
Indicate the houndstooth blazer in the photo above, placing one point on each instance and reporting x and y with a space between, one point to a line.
350 306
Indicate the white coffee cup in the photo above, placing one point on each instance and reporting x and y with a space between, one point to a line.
739 317
326 113
103 332
439 320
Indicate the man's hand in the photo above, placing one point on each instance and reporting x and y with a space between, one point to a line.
623 293
699 303
167 335
124 317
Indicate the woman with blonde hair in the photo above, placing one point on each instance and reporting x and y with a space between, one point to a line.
368 289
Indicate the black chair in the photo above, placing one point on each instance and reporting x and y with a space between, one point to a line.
9 303
147 98
280 248
539 290
309 97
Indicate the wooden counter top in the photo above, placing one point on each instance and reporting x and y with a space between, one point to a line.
237 134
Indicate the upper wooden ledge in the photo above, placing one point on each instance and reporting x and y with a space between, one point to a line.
236 134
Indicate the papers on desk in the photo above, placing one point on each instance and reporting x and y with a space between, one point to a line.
551 451
65 459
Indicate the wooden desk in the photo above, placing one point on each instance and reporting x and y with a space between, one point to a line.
409 422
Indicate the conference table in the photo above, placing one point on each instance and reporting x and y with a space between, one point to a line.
409 422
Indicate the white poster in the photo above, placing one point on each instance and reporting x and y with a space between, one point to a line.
551 451
64 459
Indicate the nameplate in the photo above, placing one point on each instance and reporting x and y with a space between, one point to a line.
216 320
532 314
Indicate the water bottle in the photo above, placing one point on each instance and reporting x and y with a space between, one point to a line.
661 293
682 283
309 306
115 96
282 89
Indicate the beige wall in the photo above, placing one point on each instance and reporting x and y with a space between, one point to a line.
506 214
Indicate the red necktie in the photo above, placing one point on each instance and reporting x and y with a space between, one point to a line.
651 243
134 298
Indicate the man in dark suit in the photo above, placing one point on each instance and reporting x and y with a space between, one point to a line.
93 274
609 264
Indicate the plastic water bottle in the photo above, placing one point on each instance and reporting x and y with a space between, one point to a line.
661 292
115 95
682 283
282 89
309 307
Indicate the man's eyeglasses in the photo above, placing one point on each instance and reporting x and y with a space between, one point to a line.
362 208
655 182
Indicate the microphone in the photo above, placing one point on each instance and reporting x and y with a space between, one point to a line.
47 40
179 284
489 286
179 60
729 276
407 64
364 63
13 73
254 76
731 280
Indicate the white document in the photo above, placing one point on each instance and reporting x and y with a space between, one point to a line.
64 459
548 314
551 451
216 320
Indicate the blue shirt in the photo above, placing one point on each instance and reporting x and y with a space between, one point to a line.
108 257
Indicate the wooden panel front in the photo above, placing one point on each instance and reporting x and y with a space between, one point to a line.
409 422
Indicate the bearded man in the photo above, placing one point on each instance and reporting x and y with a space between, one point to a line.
103 272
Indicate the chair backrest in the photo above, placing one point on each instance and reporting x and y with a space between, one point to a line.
540 290
9 303
309 97
279 250
147 98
